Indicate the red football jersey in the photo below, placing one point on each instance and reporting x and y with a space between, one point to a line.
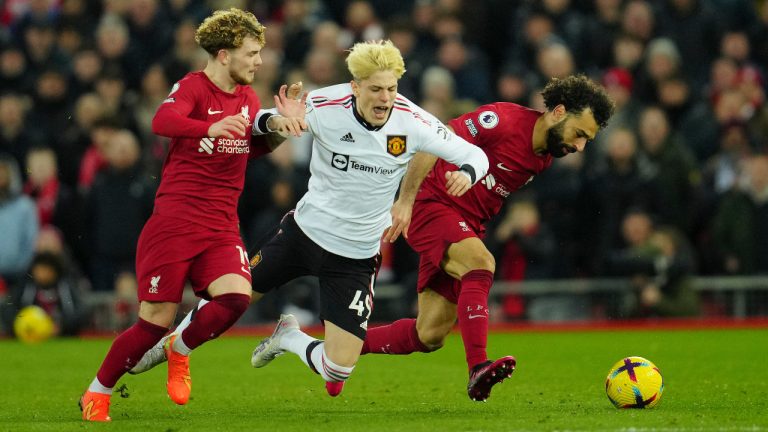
505 132
203 177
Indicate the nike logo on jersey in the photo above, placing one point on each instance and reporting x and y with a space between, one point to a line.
501 166
477 316
212 112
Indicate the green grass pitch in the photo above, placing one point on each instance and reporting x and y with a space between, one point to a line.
714 380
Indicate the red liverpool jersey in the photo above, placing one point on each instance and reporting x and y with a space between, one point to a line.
505 132
203 177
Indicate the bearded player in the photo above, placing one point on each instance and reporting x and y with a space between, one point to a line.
456 269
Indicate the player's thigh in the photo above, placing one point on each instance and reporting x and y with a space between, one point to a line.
289 254
230 284
436 317
164 256
467 255
341 346
222 267
347 292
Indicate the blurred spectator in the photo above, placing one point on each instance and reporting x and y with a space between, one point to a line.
13 72
185 53
416 57
696 29
16 137
113 45
618 84
638 20
600 31
297 26
527 245
469 69
94 158
41 49
438 87
86 67
676 173
511 86
119 204
51 104
361 23
50 286
628 52
620 182
18 219
662 61
660 271
150 33
739 227
526 251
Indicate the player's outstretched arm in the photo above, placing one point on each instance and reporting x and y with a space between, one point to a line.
418 168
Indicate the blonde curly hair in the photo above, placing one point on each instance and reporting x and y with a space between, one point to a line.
226 29
367 58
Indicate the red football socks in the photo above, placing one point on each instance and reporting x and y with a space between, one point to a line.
127 349
472 310
215 318
400 337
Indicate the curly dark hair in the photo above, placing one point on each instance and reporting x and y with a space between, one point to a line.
576 93
226 29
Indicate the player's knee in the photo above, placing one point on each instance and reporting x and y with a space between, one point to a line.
481 261
433 338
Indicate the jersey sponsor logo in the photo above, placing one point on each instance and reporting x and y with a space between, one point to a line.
212 112
488 119
355 165
206 145
471 127
224 145
396 144
501 166
489 181
340 161
153 284
348 137
492 185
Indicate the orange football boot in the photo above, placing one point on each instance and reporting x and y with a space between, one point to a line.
179 382
95 406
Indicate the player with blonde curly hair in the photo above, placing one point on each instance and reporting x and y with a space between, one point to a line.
216 124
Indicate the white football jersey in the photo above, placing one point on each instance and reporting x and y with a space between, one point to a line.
356 169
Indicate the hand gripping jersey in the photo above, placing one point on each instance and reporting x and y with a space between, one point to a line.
505 132
356 169
203 177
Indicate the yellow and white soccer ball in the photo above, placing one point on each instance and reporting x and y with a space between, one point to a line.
33 324
634 382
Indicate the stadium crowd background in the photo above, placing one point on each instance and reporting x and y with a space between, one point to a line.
676 186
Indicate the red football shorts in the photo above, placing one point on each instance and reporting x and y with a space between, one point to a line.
434 227
173 251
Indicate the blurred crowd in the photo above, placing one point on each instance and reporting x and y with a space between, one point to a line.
677 184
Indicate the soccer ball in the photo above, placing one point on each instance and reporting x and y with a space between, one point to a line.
33 325
634 382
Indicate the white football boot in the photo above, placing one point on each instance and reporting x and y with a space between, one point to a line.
151 358
269 348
